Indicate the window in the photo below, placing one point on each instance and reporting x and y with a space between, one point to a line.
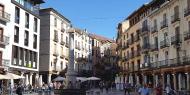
155 23
15 54
156 41
35 60
55 22
55 36
1 34
61 37
26 38
35 41
17 15
26 20
61 51
67 41
16 34
0 58
61 65
35 24
164 17
176 11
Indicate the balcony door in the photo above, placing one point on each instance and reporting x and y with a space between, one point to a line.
1 34
1 10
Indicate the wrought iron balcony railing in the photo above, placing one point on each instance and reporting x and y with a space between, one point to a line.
186 12
175 18
164 24
154 47
4 40
176 40
4 16
136 37
187 35
154 29
62 42
145 30
164 43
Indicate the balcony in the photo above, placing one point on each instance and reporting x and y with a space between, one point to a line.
4 16
176 40
129 41
164 24
82 59
131 55
62 56
146 46
168 63
154 47
136 38
67 44
175 18
55 38
137 53
164 44
186 12
154 29
145 66
4 41
78 47
62 30
187 35
62 42
145 30
55 53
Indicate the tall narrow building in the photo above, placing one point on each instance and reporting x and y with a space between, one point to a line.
54 43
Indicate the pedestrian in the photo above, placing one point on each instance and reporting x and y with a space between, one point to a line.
107 87
144 90
127 88
101 86
19 90
159 90
168 90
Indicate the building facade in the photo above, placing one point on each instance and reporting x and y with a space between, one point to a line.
103 55
164 34
20 49
54 47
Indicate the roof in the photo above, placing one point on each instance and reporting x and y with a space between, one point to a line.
101 38
53 10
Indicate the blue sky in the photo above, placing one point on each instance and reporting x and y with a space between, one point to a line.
97 16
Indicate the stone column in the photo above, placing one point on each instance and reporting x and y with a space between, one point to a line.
156 80
26 80
137 80
40 82
168 79
188 81
174 80
179 81
31 74
71 74
163 81
49 78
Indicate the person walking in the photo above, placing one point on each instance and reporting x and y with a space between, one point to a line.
144 90
19 90
159 90
127 88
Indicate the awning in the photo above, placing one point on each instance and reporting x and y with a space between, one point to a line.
11 76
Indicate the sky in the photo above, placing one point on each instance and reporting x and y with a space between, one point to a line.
99 17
